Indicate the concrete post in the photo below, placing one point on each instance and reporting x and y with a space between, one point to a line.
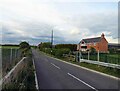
11 55
98 55
88 55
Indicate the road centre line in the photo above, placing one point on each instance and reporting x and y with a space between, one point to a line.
55 66
82 81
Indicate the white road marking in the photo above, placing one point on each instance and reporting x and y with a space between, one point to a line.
55 66
36 81
91 70
82 81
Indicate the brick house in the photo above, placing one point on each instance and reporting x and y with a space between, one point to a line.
99 43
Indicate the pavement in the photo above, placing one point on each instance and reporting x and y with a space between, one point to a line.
54 74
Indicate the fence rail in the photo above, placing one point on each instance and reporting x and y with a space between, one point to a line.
101 63
9 74
107 58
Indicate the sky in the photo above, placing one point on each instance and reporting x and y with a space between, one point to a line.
70 20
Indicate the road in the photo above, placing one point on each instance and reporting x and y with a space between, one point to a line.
54 74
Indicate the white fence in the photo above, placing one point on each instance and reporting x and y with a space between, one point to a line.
101 63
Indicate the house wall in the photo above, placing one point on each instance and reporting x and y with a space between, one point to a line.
102 46
94 45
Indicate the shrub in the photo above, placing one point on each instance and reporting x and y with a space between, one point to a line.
92 50
60 52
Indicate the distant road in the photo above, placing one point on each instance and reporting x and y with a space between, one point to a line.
54 74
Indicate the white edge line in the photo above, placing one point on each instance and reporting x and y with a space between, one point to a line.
36 81
82 81
88 69
55 66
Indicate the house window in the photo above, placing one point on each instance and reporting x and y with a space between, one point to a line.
85 47
82 42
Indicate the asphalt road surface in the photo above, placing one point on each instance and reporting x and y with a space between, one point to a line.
54 74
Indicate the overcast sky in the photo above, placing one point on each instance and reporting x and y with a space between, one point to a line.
71 20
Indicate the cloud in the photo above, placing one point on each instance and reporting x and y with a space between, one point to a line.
93 25
29 10
33 21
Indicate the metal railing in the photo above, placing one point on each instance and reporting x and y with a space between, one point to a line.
101 63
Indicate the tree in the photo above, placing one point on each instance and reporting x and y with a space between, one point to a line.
25 48
44 45
72 47
24 45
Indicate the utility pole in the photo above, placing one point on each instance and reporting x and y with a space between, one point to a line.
51 42
52 39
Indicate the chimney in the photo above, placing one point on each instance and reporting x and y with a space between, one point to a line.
102 36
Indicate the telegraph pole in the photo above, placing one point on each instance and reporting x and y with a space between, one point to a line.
52 39
51 42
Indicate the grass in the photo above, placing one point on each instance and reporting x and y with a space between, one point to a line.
9 47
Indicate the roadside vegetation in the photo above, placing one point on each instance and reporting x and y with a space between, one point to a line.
67 53
59 51
22 78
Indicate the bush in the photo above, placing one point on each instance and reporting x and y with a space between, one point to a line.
93 50
56 52
60 52
44 45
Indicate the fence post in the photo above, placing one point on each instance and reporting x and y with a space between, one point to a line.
78 56
88 55
106 59
15 53
11 55
98 55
